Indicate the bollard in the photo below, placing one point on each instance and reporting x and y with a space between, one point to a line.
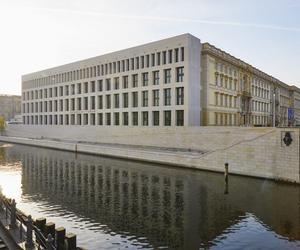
226 172
29 242
50 229
40 224
49 242
13 221
60 233
71 241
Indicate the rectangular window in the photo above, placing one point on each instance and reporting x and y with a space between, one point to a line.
142 62
108 102
182 54
61 91
86 87
125 82
116 82
155 97
145 98
116 101
134 99
108 119
116 119
85 119
179 74
155 77
145 79
158 58
152 60
100 119
176 55
125 118
86 103
92 119
100 102
134 80
145 118
170 56
167 97
93 86
108 86
155 115
164 55
167 117
73 89
135 120
125 100
78 88
180 96
147 61
93 102
167 76
73 104
100 85
179 117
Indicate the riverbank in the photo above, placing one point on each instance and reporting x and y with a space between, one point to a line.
256 152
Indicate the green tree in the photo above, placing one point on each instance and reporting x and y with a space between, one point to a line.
2 125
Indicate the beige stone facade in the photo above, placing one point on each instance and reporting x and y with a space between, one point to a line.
177 81
237 94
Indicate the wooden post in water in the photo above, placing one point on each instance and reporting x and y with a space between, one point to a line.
226 172
40 224
71 241
226 178
50 229
13 210
29 228
60 234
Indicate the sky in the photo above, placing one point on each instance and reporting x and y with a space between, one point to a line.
39 34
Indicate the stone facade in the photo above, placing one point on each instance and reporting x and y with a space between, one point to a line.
259 152
173 82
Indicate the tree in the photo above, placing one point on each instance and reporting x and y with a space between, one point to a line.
2 125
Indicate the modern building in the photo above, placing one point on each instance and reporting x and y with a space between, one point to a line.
10 106
172 82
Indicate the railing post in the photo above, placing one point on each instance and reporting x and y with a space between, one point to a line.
13 221
49 242
60 234
29 226
71 241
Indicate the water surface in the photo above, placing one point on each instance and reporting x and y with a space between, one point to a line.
118 204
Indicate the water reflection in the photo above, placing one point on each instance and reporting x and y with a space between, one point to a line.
138 205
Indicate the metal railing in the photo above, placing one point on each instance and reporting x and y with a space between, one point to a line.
28 230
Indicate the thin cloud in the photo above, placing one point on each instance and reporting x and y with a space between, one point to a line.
173 19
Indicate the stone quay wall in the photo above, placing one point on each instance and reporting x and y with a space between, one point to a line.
258 152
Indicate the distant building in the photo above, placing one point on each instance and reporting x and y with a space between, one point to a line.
10 106
177 81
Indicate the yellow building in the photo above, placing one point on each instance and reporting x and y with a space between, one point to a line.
235 93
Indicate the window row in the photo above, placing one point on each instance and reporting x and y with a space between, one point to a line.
134 63
226 119
107 84
144 118
260 106
226 82
225 100
124 100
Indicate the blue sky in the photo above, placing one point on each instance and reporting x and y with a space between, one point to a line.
39 34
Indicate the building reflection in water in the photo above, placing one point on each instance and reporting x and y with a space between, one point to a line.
160 206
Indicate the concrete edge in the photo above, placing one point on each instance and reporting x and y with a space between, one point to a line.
130 154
